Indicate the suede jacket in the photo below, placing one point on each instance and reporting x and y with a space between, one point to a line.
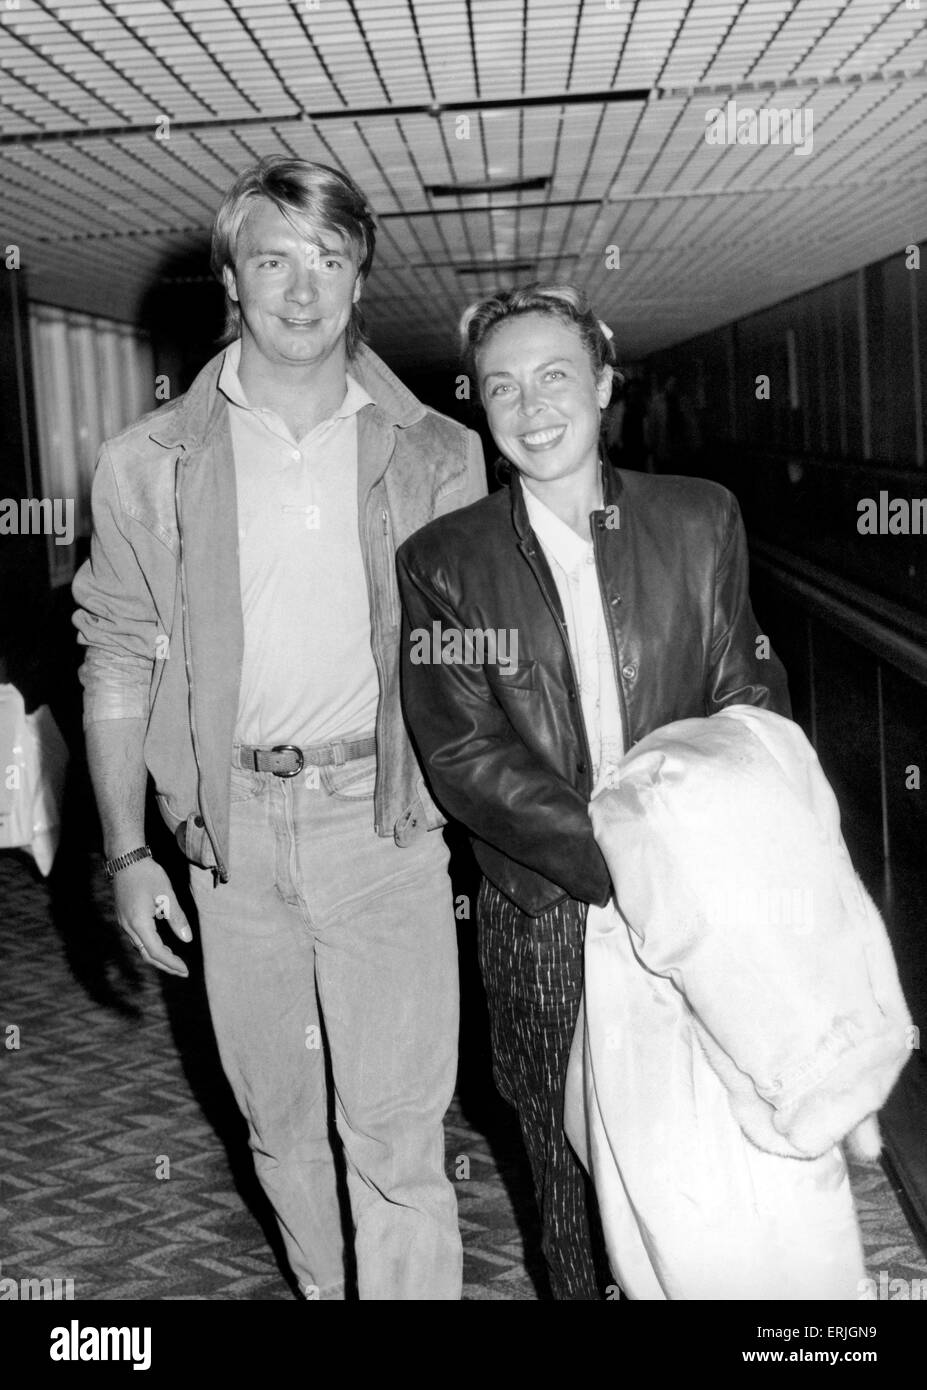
503 743
159 600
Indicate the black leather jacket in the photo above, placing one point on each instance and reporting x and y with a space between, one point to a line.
506 753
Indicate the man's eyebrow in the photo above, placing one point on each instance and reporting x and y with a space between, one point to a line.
322 250
540 368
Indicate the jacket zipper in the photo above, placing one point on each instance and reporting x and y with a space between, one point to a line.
220 872
393 600
379 723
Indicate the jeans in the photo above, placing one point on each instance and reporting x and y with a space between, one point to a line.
329 937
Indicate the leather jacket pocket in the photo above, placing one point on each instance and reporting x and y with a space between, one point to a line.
521 681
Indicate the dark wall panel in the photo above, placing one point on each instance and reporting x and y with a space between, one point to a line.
846 364
23 559
785 622
905 703
891 360
848 736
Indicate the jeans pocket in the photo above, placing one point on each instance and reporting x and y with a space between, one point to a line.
353 781
244 785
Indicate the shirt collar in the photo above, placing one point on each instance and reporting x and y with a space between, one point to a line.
560 540
229 383
355 398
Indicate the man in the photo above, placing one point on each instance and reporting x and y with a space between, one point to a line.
628 597
241 616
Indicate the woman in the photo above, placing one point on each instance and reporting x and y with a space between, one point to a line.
621 602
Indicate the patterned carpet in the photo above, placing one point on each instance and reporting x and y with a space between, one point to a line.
123 1165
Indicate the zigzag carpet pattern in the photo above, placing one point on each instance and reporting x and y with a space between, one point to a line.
123 1162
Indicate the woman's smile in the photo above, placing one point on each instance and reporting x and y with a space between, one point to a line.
543 439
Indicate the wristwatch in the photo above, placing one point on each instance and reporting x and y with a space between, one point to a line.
122 861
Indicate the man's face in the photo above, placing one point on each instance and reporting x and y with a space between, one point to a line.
295 286
541 397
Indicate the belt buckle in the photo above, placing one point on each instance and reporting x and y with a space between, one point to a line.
289 748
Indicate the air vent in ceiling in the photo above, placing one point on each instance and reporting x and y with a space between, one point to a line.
483 186
497 268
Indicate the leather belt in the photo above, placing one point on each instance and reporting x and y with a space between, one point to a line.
287 760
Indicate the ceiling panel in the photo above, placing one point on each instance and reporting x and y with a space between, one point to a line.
606 101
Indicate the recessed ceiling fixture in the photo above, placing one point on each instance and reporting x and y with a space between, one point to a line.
464 190
497 267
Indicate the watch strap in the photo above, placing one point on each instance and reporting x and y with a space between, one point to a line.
122 861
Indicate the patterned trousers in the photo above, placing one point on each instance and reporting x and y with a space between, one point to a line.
532 970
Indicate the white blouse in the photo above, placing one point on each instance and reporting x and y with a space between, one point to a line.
572 563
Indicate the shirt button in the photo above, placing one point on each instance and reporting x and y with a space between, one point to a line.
629 672
295 456
580 767
615 601
571 694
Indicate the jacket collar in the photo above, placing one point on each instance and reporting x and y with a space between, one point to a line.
190 420
396 401
612 490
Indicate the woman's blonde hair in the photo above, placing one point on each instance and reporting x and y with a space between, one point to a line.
563 302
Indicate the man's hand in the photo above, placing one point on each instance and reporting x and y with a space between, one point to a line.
143 897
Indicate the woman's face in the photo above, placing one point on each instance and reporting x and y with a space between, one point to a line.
541 397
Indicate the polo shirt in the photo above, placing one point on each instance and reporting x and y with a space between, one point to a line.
308 672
